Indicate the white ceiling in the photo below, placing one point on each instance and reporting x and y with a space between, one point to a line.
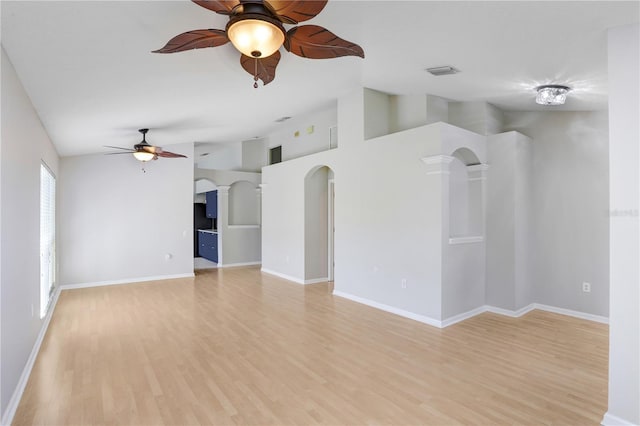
90 73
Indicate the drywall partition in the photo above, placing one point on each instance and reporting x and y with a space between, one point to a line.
508 221
118 222
239 237
283 218
624 134
316 250
569 195
238 244
25 145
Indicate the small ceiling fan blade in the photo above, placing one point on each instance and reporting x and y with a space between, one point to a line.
119 147
196 39
264 68
167 154
294 11
315 42
224 7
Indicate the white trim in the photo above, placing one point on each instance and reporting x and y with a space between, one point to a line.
316 280
285 276
611 420
437 159
126 281
509 313
466 240
229 265
569 312
242 226
391 309
12 406
463 316
482 167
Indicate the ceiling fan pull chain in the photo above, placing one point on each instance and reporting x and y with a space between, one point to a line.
255 76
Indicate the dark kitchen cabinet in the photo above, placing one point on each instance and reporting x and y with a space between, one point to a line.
212 204
208 245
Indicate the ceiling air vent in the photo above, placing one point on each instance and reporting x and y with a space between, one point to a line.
438 71
282 119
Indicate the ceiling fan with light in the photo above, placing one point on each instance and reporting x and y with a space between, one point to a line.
144 152
256 29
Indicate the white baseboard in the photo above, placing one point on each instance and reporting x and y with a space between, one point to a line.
391 309
230 265
316 280
12 406
509 313
611 420
463 316
569 312
126 281
469 314
285 276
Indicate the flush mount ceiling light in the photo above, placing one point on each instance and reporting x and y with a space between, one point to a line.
551 94
256 29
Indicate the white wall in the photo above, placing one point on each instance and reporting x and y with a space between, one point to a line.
25 144
117 222
221 156
243 204
568 211
624 134
387 215
254 155
305 143
508 235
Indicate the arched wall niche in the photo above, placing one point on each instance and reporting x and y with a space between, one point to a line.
466 192
243 204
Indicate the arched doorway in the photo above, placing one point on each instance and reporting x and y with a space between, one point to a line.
318 224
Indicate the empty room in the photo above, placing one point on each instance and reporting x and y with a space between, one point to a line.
334 212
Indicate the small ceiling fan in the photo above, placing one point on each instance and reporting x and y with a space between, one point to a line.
256 29
145 152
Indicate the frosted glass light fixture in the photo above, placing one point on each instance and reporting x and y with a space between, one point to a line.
144 156
256 38
551 94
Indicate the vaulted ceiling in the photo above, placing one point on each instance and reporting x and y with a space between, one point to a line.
89 71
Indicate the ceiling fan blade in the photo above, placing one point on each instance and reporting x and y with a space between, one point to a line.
294 11
314 42
196 39
119 147
224 7
150 148
116 153
263 68
167 154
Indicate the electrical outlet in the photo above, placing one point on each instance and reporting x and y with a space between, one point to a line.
404 283
586 287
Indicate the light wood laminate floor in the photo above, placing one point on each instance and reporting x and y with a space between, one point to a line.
234 346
